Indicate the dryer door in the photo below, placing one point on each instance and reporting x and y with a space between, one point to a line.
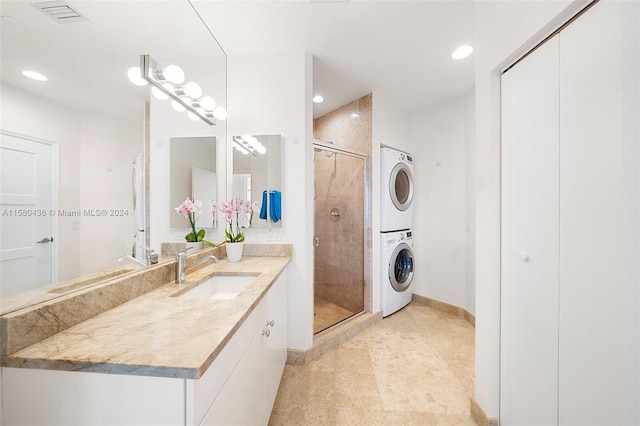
401 267
401 186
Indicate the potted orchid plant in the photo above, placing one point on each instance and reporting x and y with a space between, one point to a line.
190 209
236 212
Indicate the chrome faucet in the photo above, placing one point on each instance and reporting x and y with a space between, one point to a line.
182 268
151 258
132 260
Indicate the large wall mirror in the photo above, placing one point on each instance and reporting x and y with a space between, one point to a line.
257 177
95 122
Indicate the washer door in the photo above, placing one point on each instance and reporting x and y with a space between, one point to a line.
401 267
401 186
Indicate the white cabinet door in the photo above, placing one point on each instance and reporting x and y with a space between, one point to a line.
599 223
51 397
275 345
241 399
529 288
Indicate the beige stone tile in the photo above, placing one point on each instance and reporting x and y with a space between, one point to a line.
414 367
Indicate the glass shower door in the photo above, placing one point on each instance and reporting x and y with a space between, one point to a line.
339 258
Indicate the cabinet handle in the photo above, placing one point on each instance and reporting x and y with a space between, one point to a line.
525 256
266 332
270 323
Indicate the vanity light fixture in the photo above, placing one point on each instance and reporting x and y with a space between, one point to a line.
462 52
248 144
168 82
240 148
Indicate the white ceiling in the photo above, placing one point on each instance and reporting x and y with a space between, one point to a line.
397 48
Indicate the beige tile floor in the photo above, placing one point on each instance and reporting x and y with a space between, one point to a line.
327 314
414 367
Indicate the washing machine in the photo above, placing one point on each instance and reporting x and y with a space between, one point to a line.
396 275
396 200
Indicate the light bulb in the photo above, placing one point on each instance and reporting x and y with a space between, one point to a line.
174 74
135 76
177 106
220 113
192 116
208 103
159 94
192 90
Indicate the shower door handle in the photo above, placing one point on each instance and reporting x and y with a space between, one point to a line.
316 241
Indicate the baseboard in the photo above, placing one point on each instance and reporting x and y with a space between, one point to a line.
331 338
479 416
445 307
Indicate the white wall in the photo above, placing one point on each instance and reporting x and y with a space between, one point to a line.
440 138
109 147
89 144
504 31
271 95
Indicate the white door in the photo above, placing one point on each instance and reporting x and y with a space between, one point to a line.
26 200
529 286
599 217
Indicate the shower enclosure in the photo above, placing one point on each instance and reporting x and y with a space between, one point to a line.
341 214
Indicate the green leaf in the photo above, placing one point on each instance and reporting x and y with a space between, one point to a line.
200 235
191 238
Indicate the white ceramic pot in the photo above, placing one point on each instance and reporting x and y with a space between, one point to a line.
196 246
234 251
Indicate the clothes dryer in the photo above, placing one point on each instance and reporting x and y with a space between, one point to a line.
396 198
396 275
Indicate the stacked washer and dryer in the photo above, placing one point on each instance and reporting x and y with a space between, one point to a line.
396 236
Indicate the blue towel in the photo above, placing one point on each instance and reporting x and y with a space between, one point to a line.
275 209
263 209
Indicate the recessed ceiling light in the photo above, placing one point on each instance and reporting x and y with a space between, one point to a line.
354 115
462 52
318 99
34 75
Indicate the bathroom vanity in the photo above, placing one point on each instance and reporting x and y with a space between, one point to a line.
209 351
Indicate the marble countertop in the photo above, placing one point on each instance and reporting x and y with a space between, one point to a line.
158 333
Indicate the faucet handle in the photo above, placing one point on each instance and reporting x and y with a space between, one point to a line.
184 250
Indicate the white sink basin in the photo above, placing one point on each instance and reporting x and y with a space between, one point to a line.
220 287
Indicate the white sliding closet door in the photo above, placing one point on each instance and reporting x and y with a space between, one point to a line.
570 309
599 231
529 292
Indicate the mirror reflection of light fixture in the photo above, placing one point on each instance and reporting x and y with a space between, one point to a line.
167 82
248 144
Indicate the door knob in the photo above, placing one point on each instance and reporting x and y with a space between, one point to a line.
45 240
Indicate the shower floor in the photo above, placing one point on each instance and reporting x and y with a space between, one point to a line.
326 314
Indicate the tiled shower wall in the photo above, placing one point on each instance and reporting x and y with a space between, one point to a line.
340 184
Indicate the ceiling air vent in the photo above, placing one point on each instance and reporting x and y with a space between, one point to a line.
60 11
